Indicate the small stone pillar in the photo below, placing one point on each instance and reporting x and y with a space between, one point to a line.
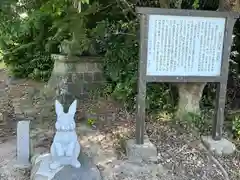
75 77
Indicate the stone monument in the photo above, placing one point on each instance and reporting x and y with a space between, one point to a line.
65 160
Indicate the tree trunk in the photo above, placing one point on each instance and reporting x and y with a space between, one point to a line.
190 93
189 97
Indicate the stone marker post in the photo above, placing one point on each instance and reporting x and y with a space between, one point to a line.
23 144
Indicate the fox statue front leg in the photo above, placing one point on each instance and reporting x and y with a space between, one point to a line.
73 151
56 152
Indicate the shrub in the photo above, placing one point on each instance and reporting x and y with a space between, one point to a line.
23 45
236 127
27 43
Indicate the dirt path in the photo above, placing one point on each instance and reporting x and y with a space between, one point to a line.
8 171
7 135
178 148
7 123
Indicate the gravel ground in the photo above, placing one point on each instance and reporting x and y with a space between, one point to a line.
181 150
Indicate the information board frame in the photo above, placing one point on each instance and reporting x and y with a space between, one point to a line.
143 78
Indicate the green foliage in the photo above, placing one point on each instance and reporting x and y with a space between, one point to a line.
72 31
195 4
91 122
236 127
121 59
28 42
202 121
119 40
23 44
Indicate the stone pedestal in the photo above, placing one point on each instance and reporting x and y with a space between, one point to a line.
76 76
141 152
41 171
222 147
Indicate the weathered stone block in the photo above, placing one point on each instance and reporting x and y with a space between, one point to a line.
88 77
79 70
75 89
80 76
141 152
81 67
91 67
222 147
98 77
93 86
99 67
76 77
70 77
86 88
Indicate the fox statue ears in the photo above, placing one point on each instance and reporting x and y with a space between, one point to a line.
59 108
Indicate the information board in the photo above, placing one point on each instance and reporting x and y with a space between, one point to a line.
184 45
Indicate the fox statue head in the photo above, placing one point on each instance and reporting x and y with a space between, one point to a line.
65 121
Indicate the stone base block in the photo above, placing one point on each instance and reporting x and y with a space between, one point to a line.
141 152
41 171
221 147
21 165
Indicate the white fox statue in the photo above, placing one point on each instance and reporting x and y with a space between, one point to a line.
65 148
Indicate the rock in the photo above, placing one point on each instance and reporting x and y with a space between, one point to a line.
41 171
221 147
